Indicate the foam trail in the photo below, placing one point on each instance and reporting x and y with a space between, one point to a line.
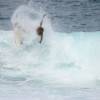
62 59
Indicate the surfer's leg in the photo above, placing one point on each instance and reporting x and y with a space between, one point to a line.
41 38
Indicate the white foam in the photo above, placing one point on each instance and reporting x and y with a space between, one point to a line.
65 59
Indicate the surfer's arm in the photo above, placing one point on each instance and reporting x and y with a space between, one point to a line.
42 20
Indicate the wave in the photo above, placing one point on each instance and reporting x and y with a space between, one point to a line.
61 59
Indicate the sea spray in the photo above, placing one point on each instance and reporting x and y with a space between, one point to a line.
62 59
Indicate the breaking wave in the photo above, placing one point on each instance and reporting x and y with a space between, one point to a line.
61 59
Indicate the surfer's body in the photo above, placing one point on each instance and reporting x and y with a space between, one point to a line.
40 30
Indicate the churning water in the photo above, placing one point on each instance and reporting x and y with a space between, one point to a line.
64 67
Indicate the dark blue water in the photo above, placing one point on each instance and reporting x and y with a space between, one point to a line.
65 15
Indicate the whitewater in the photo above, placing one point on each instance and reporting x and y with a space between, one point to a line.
65 66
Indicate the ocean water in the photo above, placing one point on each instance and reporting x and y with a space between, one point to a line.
65 15
64 67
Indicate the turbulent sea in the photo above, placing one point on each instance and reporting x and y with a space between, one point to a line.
66 66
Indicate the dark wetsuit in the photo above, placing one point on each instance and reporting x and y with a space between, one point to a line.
40 31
